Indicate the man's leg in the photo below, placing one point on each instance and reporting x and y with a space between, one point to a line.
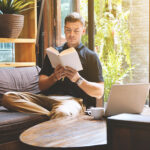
27 102
52 106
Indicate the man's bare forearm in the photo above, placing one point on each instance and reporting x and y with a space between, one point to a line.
46 82
93 89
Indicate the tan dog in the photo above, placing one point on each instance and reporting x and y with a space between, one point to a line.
66 106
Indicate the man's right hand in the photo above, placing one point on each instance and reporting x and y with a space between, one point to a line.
59 72
47 81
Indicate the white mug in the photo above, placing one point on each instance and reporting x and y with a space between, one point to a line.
97 112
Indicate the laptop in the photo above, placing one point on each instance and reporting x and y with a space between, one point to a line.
127 98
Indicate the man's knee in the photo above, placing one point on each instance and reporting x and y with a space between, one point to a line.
8 98
5 98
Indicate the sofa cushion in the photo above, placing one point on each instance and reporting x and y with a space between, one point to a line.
14 123
0 98
23 79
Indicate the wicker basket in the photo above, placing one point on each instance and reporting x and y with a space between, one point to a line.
11 25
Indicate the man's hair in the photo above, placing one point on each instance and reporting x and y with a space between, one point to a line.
74 17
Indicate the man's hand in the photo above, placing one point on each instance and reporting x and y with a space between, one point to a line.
71 73
94 89
59 72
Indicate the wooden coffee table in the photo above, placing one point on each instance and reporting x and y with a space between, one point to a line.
67 132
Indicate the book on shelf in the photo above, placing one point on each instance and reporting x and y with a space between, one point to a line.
68 57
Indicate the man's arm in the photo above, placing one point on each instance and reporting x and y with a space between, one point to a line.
46 82
94 89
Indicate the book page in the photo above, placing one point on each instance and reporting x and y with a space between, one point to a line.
71 59
52 50
69 50
53 56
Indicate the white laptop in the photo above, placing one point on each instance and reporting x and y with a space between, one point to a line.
128 98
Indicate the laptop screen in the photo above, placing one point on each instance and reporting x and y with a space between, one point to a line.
127 98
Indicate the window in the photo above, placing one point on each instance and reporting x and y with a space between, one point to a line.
54 15
124 28
66 8
7 52
114 28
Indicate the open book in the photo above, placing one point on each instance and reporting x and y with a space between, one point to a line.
68 57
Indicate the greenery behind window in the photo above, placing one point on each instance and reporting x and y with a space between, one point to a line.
112 40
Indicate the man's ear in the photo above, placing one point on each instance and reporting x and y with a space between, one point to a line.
84 30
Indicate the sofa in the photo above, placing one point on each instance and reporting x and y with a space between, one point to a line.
24 79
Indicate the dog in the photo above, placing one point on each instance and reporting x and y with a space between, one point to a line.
66 106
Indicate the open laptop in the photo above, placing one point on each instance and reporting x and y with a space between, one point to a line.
128 98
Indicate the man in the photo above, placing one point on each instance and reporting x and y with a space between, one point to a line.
87 84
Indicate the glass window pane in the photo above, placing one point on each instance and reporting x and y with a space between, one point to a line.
66 8
7 52
121 40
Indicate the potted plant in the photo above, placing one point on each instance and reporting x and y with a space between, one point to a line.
11 20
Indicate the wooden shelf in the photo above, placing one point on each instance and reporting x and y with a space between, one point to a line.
25 45
17 64
18 40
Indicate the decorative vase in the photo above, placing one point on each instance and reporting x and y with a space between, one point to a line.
11 25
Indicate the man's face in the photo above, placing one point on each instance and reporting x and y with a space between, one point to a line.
73 33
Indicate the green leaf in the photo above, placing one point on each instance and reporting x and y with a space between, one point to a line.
15 6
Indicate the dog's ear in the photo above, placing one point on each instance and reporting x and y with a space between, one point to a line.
80 101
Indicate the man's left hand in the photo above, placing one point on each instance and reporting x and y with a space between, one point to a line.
72 74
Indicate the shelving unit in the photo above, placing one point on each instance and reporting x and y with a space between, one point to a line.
17 64
19 40
24 45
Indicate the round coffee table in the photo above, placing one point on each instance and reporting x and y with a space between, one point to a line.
67 132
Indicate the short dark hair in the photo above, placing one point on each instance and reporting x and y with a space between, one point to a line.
74 17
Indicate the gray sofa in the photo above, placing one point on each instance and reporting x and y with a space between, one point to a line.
23 79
